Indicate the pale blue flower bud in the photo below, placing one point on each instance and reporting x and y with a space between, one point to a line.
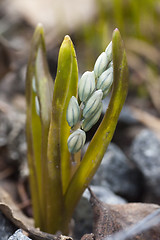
88 123
76 141
73 112
105 80
37 106
86 86
100 65
108 52
110 64
34 84
107 91
92 103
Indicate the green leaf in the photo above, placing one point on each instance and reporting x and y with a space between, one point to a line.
104 134
59 159
39 84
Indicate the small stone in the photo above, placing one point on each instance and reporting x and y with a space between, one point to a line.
83 218
6 227
18 235
105 195
145 153
119 173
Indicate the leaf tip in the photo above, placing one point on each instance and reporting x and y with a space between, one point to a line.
40 25
39 28
66 42
116 32
67 38
39 33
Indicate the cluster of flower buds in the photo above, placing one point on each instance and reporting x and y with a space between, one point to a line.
92 89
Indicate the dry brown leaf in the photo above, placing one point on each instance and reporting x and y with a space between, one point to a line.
153 87
109 219
14 214
143 49
88 237
147 119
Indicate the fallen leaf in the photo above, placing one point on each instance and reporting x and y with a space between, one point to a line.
88 237
109 219
14 214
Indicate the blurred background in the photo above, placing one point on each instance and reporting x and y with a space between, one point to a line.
90 24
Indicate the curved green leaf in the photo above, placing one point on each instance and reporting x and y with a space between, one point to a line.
59 159
104 134
37 126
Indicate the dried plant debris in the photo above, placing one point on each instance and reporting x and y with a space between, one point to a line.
88 237
109 219
135 231
13 213
18 235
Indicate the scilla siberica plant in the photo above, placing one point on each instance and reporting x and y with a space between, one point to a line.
58 116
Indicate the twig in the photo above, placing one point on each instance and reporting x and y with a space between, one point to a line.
147 119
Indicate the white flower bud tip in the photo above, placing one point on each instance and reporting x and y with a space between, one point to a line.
88 123
73 112
37 106
76 141
86 85
92 103
108 52
34 84
100 65
105 80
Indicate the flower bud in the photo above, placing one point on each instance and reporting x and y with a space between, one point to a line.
110 64
37 106
108 52
73 112
76 141
100 65
86 85
34 84
88 123
92 103
105 80
106 92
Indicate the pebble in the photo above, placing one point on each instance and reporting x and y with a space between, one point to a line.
18 235
145 153
118 172
105 195
6 227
